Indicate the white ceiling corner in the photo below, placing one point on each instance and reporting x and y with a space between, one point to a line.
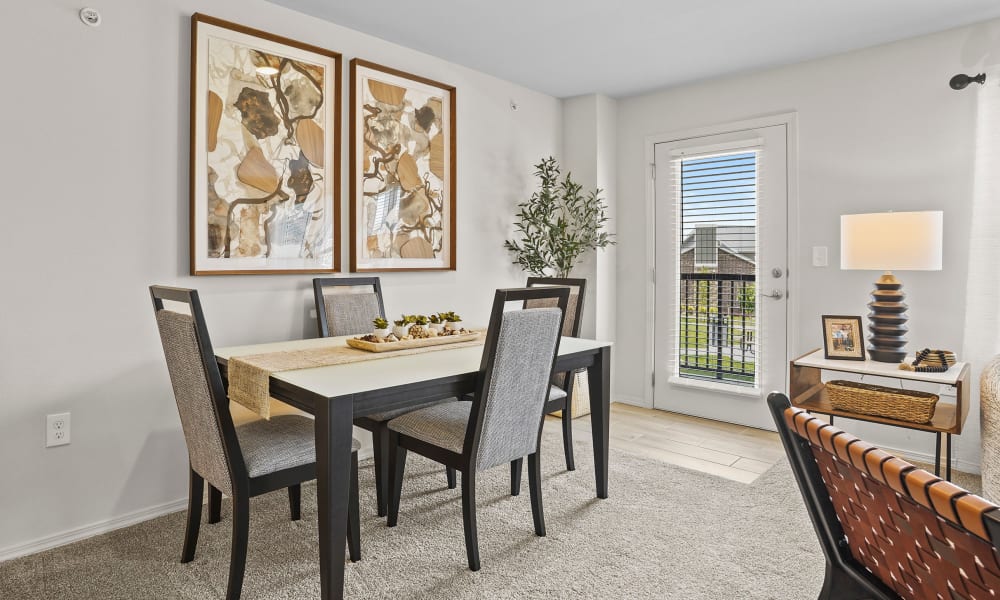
621 48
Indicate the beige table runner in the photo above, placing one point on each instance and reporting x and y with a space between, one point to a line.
249 375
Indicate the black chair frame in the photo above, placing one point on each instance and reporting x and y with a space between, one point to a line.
465 462
244 486
845 578
378 429
559 404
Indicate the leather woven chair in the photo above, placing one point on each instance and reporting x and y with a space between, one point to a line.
503 421
245 461
561 391
887 528
343 312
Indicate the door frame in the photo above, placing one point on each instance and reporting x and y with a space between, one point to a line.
790 121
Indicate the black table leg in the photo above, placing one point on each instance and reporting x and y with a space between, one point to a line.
937 454
334 420
947 468
599 377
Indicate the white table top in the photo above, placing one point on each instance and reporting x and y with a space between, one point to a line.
880 369
380 373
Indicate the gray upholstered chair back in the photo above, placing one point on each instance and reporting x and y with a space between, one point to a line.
347 304
571 316
192 385
574 309
514 397
350 314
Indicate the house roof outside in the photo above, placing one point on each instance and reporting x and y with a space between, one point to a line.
738 240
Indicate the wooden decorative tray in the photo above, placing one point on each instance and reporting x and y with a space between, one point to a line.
416 343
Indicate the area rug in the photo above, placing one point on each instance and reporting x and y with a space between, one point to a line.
664 533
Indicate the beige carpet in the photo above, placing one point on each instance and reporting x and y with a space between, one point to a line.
666 532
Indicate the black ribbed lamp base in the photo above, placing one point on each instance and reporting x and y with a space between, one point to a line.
887 321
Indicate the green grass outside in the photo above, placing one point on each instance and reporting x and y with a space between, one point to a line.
694 330
712 362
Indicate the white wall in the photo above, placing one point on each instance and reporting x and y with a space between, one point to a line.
95 158
879 129
590 155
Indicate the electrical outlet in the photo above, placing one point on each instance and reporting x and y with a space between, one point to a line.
57 430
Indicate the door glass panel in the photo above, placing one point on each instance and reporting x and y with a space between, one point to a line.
717 301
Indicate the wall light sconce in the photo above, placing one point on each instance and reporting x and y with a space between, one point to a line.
961 81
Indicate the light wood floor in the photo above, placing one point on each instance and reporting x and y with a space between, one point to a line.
722 449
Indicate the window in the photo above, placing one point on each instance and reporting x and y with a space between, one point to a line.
718 266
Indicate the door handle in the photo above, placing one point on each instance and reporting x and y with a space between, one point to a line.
776 294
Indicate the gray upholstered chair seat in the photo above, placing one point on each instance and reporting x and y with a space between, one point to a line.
284 442
556 393
442 425
392 414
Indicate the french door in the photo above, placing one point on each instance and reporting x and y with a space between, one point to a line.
720 338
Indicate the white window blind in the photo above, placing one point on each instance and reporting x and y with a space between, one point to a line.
716 218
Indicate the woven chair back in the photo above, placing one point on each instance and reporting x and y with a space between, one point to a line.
923 537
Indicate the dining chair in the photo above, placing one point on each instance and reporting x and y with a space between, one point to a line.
241 461
503 420
561 391
347 306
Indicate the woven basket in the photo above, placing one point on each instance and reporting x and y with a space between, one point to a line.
894 403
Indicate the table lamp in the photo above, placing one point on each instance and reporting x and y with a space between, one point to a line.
891 241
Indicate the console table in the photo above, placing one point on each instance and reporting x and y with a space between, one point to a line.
807 391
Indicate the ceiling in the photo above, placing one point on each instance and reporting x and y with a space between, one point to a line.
624 47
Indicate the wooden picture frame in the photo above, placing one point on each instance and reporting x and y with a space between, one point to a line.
843 338
402 156
265 152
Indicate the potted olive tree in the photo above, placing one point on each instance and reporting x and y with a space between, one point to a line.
558 224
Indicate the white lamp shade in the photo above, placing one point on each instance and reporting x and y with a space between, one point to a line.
892 241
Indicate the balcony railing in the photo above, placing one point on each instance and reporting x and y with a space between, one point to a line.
718 327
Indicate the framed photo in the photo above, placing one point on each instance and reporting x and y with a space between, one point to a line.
843 338
265 152
402 171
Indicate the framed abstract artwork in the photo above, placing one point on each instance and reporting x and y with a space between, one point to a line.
265 152
402 171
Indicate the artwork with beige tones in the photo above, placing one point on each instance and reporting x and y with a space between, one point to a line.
264 172
402 171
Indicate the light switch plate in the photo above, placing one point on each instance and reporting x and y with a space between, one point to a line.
820 256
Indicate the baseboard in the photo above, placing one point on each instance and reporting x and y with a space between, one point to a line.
87 531
633 400
80 533
957 463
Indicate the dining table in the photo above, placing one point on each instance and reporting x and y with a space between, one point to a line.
336 395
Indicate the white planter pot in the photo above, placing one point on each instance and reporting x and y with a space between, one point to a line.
438 327
401 331
382 333
453 325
